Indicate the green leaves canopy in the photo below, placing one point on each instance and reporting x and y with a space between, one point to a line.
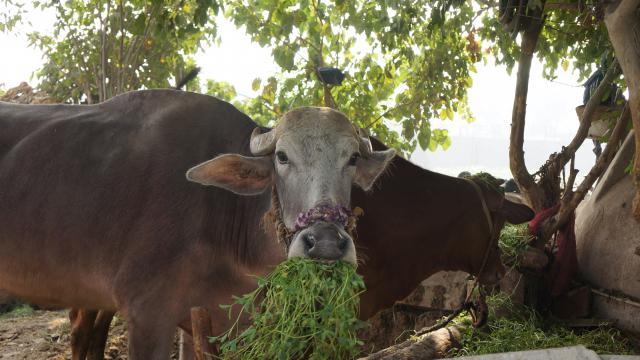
402 70
101 48
406 62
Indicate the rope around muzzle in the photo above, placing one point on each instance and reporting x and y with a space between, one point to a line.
339 215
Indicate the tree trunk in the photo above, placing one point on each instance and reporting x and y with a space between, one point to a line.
622 19
533 194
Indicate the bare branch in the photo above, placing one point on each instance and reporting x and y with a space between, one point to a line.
120 76
568 189
571 201
605 159
564 6
621 20
587 117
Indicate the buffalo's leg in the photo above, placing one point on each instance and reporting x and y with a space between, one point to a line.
99 335
81 329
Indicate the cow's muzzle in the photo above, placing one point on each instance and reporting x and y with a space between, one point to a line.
323 241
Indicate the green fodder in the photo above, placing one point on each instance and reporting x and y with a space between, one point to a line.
513 240
488 179
526 330
304 308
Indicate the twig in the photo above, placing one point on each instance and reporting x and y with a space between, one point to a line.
572 176
587 116
389 111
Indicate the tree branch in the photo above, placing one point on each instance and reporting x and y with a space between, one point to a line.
533 194
573 173
585 120
571 200
103 51
564 6
121 65
623 25
622 8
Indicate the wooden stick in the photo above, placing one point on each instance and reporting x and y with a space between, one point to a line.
201 327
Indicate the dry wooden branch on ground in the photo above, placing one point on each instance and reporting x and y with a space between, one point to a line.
201 327
431 345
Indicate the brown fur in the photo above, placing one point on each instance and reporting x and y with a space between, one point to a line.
96 213
418 222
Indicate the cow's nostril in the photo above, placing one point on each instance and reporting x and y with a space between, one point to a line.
309 241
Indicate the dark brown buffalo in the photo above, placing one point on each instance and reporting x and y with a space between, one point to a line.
415 223
96 213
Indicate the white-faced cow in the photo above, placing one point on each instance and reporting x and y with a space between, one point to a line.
96 213
416 222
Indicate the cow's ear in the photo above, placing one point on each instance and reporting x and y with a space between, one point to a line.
370 166
516 213
241 174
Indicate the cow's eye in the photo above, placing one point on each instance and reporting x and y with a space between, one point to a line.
353 160
282 157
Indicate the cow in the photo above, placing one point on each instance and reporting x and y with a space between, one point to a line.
415 223
96 211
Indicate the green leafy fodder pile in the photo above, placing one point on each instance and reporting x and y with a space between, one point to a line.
524 329
303 309
512 241
488 179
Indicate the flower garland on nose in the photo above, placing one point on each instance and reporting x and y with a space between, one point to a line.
336 214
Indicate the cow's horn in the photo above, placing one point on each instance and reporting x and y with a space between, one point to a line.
365 144
262 144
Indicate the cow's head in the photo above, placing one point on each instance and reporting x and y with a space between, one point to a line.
312 157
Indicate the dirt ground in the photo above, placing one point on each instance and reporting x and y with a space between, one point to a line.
44 335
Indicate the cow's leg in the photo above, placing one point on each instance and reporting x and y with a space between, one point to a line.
150 335
81 329
100 335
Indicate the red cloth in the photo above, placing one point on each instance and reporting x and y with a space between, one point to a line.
564 265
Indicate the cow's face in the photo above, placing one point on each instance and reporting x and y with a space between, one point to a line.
312 157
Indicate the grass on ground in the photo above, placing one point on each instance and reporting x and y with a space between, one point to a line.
524 329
